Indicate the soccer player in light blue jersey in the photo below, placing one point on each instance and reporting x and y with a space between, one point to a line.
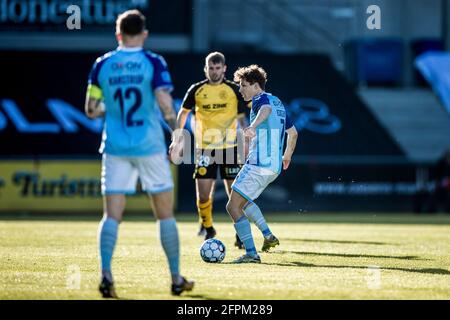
267 131
127 81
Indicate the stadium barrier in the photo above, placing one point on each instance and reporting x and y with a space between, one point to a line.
58 186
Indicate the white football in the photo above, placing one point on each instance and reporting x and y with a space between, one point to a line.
213 251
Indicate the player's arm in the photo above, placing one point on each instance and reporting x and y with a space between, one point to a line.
290 146
242 119
177 135
263 113
182 117
176 147
93 106
165 103
162 87
188 103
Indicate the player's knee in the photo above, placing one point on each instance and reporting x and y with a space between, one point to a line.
202 199
164 214
162 211
116 217
247 206
230 207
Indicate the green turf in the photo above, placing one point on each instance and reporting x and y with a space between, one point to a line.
320 257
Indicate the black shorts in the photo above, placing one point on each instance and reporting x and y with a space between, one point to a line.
208 162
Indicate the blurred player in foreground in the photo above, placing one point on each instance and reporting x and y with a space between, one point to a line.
217 106
128 80
268 125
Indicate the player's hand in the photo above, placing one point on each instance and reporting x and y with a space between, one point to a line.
250 132
286 163
176 152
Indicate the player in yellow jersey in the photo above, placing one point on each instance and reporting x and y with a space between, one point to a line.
218 107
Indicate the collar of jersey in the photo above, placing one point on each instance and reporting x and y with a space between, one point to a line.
259 95
129 49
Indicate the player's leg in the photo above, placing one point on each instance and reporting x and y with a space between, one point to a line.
228 170
254 214
205 176
107 237
162 204
242 227
250 183
261 178
156 179
227 183
118 178
204 194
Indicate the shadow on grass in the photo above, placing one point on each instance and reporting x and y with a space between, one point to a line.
339 241
118 299
310 265
184 296
202 296
346 255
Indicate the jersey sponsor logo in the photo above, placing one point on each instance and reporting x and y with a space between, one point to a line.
223 94
197 93
232 170
219 105
281 113
202 171
130 65
214 106
127 79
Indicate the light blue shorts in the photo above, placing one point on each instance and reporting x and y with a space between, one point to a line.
252 180
120 174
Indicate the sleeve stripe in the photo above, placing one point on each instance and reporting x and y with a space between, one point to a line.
167 87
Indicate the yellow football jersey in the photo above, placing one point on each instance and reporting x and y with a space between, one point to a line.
216 108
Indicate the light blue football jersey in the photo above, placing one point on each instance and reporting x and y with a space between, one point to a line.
127 79
266 149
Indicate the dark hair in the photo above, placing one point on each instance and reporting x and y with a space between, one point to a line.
215 57
252 74
130 23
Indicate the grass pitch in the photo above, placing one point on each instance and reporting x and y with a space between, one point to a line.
320 257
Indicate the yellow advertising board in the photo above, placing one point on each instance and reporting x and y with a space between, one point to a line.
58 186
